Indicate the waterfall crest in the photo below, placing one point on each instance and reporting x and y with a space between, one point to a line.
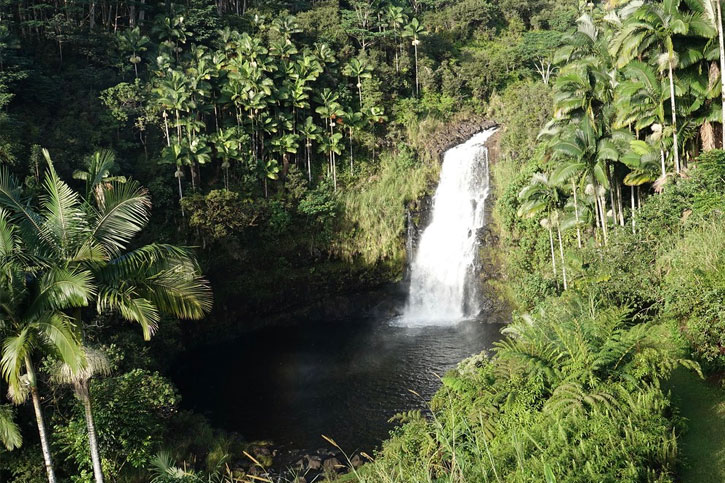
441 292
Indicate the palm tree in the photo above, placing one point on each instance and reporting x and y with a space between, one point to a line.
643 161
227 143
542 195
173 95
639 97
310 132
360 70
353 121
396 20
711 12
330 110
36 291
415 30
584 152
9 432
174 154
653 26
133 42
79 255
98 173
96 364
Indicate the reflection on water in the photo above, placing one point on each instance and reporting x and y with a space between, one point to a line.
341 379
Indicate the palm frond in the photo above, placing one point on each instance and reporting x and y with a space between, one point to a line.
124 213
11 199
96 363
15 350
64 221
9 431
60 289
59 334
131 307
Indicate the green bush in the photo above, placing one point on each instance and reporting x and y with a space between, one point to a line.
572 395
131 412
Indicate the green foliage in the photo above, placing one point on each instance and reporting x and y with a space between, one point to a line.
220 214
557 398
373 220
521 109
694 287
132 412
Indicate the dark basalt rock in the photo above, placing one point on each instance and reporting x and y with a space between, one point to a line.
456 133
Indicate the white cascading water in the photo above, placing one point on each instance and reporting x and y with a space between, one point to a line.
440 291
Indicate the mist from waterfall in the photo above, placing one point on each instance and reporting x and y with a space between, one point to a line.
441 290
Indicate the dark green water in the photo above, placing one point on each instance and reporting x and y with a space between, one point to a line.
341 379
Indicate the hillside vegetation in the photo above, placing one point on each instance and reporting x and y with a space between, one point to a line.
151 151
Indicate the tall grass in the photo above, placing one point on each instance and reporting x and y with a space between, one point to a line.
374 208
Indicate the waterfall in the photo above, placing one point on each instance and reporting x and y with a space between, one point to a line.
440 291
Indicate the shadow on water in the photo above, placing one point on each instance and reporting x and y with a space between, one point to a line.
344 379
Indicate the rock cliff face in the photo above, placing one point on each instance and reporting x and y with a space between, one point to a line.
489 264
456 133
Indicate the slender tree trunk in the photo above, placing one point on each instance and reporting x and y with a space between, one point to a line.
417 91
92 437
181 193
576 215
178 128
674 119
634 228
561 254
612 196
359 90
553 256
352 170
722 66
44 440
602 208
334 173
662 158
619 203
309 164
166 128
92 15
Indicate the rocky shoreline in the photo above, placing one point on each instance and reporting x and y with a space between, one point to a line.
297 466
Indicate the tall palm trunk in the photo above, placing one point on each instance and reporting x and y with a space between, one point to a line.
417 90
605 218
309 165
601 208
181 192
166 128
553 256
84 396
576 215
722 66
619 204
359 90
631 194
42 431
662 159
352 169
561 254
612 195
674 117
